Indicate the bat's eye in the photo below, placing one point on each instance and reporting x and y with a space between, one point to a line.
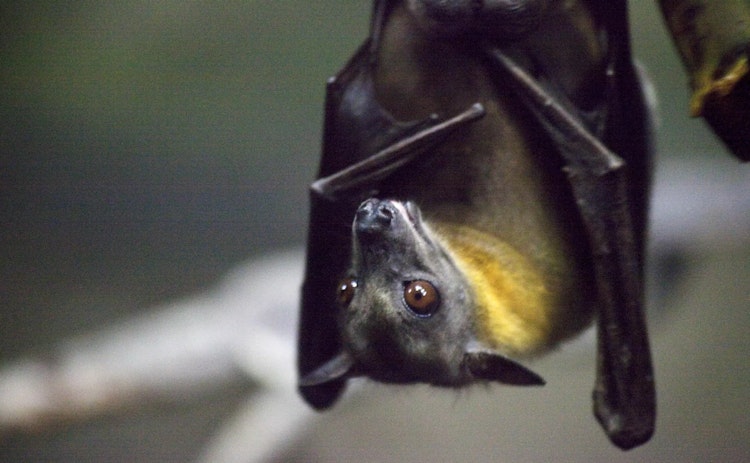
346 291
421 297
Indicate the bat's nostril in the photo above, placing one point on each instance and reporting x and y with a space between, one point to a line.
374 216
385 213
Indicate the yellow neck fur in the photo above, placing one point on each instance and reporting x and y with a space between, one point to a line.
513 305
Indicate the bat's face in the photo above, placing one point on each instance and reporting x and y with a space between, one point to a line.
408 310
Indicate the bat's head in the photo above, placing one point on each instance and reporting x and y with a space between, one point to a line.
408 311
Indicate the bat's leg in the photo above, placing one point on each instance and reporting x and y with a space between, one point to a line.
369 171
624 397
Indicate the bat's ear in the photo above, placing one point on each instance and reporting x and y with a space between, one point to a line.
339 367
492 366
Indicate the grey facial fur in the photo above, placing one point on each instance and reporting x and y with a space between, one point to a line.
392 247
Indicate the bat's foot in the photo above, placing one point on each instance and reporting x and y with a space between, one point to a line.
724 102
719 87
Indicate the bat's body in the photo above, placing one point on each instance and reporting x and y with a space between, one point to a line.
519 262
486 210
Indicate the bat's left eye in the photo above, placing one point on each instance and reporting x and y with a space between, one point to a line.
347 289
421 297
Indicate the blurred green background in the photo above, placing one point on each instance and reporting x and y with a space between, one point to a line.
147 147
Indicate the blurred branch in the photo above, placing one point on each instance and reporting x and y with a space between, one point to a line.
242 331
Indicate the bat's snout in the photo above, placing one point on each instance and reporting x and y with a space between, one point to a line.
376 218
374 215
388 230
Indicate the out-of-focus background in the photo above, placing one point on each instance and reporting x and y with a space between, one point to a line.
149 147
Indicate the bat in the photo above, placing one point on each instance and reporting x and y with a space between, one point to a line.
481 197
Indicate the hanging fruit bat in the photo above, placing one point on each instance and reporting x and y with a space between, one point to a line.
481 197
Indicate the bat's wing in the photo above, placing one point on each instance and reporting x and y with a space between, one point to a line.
606 153
354 127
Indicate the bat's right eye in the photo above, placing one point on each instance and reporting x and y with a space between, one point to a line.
346 291
421 297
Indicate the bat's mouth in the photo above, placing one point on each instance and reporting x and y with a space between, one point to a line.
376 216
388 219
